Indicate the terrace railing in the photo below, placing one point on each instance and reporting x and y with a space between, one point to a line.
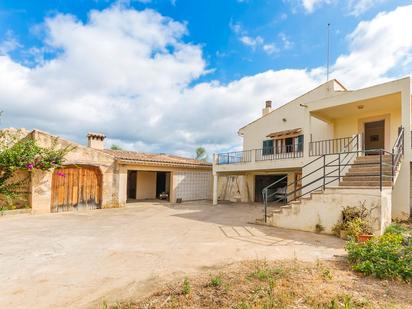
286 152
332 146
265 154
234 157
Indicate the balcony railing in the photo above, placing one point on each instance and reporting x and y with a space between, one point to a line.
265 154
234 157
286 152
332 146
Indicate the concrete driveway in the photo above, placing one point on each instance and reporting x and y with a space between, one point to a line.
78 259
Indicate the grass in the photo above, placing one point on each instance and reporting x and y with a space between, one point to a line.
186 287
280 284
216 281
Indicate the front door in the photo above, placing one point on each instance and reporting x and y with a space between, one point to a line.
375 135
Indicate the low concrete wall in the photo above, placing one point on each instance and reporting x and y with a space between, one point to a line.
326 209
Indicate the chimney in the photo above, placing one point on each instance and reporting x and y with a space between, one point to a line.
96 140
268 108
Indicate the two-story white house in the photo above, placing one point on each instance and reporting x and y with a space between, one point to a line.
327 149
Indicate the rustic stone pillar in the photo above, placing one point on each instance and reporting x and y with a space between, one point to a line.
40 192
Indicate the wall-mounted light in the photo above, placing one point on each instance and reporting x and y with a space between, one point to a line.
303 105
360 106
284 119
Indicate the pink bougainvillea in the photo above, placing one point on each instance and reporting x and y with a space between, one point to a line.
61 174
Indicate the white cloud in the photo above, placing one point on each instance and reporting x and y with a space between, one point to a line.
251 41
270 49
256 42
129 73
358 7
354 7
286 43
9 44
310 5
377 47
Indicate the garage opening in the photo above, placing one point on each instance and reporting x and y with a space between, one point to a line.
163 185
131 185
75 188
262 181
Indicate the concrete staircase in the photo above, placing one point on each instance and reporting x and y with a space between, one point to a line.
368 165
324 206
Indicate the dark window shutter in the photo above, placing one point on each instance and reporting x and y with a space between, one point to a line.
267 147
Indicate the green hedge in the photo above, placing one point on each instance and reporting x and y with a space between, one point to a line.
388 256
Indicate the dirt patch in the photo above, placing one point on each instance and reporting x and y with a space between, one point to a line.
287 284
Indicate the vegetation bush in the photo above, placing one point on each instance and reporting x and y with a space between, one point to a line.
355 221
24 154
186 287
396 228
216 281
388 256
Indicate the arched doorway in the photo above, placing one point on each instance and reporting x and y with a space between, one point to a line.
76 188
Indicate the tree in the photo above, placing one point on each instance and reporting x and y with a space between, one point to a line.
115 147
201 154
24 154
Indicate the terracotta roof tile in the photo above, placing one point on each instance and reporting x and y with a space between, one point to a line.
139 157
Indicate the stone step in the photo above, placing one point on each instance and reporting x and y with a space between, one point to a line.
371 163
370 167
367 172
364 178
373 157
373 160
361 183
357 171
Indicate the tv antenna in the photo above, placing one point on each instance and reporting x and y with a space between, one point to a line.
328 54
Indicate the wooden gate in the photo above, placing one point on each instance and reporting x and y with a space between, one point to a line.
75 188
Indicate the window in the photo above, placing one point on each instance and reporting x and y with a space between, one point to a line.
289 144
267 147
300 143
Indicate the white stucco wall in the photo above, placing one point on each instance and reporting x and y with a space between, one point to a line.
326 209
296 114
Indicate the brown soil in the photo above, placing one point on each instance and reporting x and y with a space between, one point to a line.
287 284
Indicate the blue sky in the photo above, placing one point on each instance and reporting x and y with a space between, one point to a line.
214 51
211 23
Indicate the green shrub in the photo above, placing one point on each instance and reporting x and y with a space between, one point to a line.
383 257
396 228
263 273
186 287
216 281
354 221
355 227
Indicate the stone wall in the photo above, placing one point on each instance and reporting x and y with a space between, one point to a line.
82 156
23 200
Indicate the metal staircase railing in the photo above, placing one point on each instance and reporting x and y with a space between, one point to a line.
332 168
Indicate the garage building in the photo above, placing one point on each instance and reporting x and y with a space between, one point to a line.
148 176
94 177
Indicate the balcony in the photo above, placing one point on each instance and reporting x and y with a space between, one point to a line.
234 157
335 146
257 155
